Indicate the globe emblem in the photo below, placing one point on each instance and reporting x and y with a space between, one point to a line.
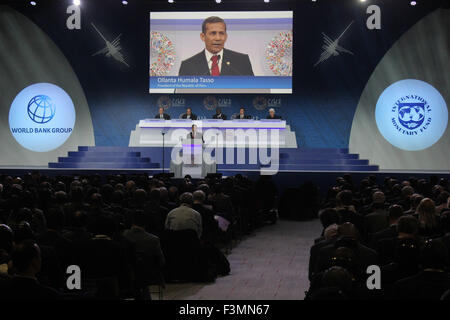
41 109
411 115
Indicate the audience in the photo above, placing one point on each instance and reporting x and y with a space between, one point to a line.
409 241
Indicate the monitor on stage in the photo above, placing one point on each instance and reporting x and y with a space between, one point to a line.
221 52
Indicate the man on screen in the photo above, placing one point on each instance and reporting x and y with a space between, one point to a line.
189 115
215 60
162 115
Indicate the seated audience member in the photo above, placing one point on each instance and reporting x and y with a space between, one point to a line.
406 193
272 114
221 202
405 262
26 262
395 212
331 234
407 227
433 281
377 220
415 201
334 277
348 237
219 114
241 115
104 259
161 114
328 217
442 202
189 115
429 221
209 224
54 238
445 224
149 256
184 217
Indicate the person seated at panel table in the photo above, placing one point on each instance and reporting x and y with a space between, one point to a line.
219 115
162 115
242 115
189 115
272 114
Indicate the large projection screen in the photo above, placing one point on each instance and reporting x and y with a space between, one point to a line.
255 52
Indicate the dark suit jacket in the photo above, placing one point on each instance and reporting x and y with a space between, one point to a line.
165 115
426 285
146 243
274 117
246 116
19 288
233 64
222 116
193 116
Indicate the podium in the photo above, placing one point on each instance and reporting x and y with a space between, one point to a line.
193 162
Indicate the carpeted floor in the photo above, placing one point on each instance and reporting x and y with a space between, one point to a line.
270 264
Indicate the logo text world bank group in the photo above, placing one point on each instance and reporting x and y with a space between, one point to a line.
42 117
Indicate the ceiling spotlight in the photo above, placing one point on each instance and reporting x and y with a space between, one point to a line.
124 2
76 2
33 3
362 0
413 3
170 1
218 1
266 1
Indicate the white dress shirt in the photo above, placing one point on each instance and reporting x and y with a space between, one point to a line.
208 59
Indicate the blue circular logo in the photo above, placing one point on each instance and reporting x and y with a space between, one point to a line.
411 115
42 117
41 109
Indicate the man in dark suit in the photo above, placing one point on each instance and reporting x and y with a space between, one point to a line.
215 60
219 115
26 259
242 115
194 134
189 115
272 114
162 115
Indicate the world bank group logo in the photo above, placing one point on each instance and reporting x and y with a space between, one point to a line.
42 117
411 115
41 109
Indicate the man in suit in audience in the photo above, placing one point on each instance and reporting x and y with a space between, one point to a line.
26 260
184 217
395 212
272 115
242 115
377 220
433 281
219 115
215 60
161 114
408 227
445 223
189 115
210 225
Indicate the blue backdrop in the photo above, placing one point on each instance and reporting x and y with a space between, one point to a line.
325 97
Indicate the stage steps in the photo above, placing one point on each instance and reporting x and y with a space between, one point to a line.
105 158
303 159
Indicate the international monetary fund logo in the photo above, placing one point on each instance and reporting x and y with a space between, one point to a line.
41 117
411 114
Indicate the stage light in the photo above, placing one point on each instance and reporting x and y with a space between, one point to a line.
76 2
170 1
124 2
362 0
218 1
266 1
413 3
33 3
